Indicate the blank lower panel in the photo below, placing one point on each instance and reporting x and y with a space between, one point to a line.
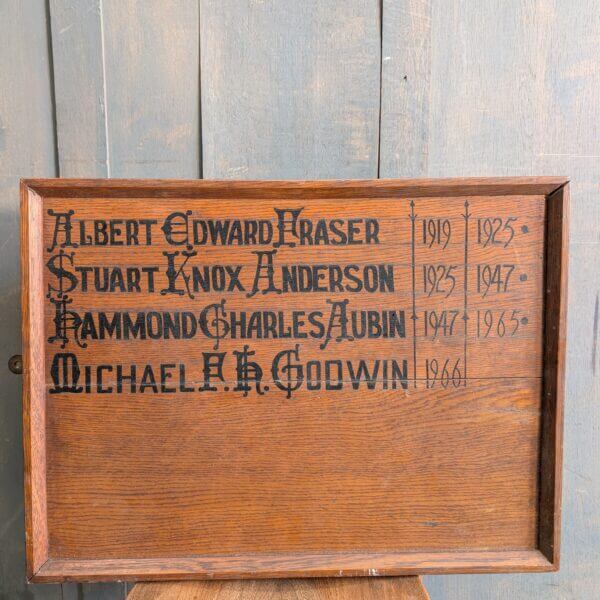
266 474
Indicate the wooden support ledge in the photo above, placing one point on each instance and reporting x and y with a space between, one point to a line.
363 588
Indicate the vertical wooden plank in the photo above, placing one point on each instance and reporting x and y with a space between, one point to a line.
152 87
483 98
26 150
405 73
127 79
94 591
78 49
512 88
290 89
466 105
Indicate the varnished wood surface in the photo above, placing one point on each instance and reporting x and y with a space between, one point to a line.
557 229
396 588
348 188
289 484
277 565
488 357
319 481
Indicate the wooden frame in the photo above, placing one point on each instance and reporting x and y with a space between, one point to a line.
42 567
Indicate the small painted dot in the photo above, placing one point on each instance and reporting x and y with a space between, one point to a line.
266 388
226 388
523 277
525 229
524 320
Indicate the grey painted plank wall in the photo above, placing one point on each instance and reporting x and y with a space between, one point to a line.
152 87
77 47
290 89
287 89
127 87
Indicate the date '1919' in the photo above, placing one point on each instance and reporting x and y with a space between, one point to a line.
436 232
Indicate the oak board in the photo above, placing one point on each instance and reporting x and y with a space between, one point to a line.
278 379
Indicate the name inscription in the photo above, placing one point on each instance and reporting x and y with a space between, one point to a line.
196 302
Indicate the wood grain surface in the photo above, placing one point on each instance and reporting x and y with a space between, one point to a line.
397 588
324 443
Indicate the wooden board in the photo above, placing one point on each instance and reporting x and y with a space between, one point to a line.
128 106
290 90
384 588
387 399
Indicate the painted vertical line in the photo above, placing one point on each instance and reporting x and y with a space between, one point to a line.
380 87
595 334
52 87
104 86
200 141
80 590
414 291
466 216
